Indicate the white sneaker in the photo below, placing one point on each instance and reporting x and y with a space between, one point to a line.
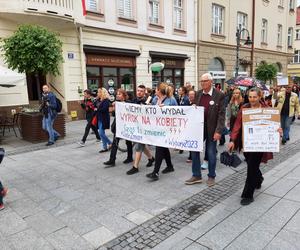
81 144
204 165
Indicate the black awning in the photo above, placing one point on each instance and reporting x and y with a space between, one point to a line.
168 55
110 51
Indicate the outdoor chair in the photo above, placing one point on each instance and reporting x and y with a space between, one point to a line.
11 123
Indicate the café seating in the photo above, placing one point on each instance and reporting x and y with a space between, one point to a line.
10 123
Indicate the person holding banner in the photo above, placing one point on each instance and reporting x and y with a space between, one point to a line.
164 97
254 176
140 147
214 123
121 97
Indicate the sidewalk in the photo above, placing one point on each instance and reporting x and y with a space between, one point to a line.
64 198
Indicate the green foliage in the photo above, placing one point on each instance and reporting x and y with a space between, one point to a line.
33 49
266 72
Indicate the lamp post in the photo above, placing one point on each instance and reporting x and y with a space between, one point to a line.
238 34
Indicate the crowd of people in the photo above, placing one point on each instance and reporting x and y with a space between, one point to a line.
222 114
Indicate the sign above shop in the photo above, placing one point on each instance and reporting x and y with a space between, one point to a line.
241 73
218 74
107 60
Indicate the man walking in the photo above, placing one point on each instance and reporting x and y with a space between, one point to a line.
288 104
89 107
214 123
48 108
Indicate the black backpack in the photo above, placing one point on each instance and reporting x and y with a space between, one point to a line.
58 105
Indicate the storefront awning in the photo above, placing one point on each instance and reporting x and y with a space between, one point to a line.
110 51
166 55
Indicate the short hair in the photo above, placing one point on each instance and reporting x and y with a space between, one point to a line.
208 76
257 90
88 92
141 86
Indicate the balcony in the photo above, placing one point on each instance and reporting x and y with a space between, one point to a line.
63 8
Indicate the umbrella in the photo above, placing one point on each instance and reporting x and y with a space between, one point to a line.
250 82
231 81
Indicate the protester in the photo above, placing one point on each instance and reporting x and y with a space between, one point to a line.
121 97
183 97
188 86
103 117
192 101
253 159
233 108
139 147
214 123
48 109
165 97
89 106
288 104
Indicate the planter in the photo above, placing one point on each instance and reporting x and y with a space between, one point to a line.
31 126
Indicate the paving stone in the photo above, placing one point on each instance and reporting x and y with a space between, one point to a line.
44 223
11 223
66 194
99 236
67 239
281 187
138 217
294 194
285 240
196 246
25 207
28 239
294 223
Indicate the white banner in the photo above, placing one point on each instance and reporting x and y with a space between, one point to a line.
179 127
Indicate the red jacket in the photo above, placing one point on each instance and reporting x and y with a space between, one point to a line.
236 132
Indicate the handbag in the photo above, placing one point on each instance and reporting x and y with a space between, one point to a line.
231 160
2 153
95 120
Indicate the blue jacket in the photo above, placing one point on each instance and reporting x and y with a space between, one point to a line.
169 101
103 113
51 108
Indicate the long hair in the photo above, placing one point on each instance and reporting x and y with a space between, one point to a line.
104 93
123 93
165 89
240 99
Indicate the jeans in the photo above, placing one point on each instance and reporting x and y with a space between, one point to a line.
103 136
211 152
1 197
254 175
47 125
285 125
196 164
87 130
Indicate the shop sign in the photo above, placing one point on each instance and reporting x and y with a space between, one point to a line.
241 73
107 60
110 82
218 74
111 90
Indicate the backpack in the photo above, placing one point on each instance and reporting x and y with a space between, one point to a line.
58 105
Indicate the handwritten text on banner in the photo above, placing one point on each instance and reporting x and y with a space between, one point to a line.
178 127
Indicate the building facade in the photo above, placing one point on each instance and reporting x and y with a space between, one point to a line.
270 26
111 44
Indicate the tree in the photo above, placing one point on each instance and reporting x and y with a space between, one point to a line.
33 49
266 72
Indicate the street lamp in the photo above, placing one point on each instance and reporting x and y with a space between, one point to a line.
238 34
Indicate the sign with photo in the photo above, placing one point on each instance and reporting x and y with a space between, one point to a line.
260 130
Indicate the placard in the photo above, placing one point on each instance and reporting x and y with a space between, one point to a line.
260 130
179 127
282 81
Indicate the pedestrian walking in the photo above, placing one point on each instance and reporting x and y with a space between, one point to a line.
288 104
88 105
103 117
49 109
254 176
214 122
165 97
121 97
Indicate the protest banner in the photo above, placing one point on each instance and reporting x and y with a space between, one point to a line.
282 81
260 129
179 127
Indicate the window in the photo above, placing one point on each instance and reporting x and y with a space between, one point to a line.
296 58
218 19
242 23
264 31
154 11
290 37
125 9
279 35
292 4
93 5
178 14
281 3
297 34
